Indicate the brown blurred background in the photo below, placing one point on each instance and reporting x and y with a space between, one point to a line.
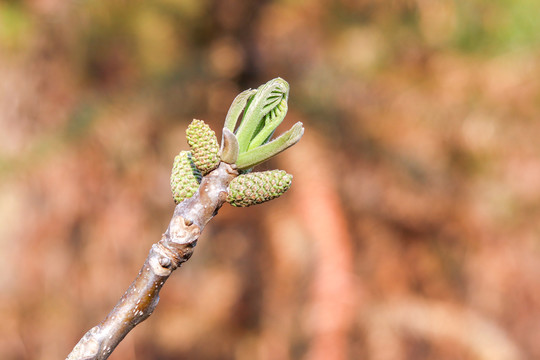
410 232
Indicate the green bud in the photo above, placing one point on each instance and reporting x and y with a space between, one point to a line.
258 187
204 146
185 177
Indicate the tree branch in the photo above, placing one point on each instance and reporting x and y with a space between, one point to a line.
196 208
174 248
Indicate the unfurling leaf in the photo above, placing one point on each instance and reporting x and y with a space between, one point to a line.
266 99
264 152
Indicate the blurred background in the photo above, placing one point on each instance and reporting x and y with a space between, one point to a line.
411 229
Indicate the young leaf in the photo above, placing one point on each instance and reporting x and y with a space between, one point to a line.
237 106
264 152
267 97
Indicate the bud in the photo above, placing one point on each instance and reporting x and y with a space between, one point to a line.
256 188
204 146
185 177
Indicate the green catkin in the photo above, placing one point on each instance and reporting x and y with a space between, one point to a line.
204 146
185 177
258 187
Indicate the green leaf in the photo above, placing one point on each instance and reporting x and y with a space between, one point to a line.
264 152
266 99
237 106
271 122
